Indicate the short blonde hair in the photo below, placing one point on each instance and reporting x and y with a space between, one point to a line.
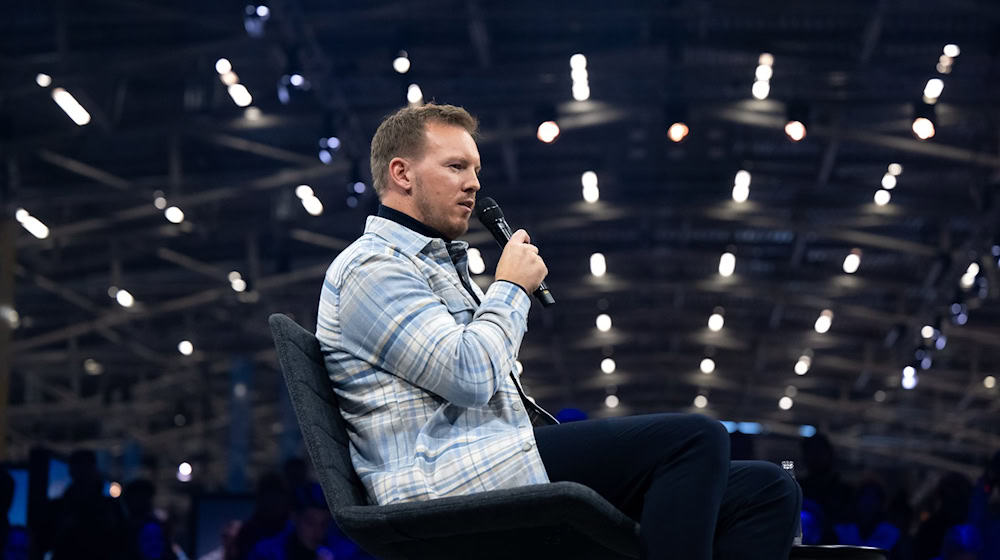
401 134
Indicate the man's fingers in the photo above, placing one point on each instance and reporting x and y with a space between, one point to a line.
520 236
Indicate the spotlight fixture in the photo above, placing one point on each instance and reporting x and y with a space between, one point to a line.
923 121
798 121
548 129
676 115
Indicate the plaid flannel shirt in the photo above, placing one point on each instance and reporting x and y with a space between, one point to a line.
422 374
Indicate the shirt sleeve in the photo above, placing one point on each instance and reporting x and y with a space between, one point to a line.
392 319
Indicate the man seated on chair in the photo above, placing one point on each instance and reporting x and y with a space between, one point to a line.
422 362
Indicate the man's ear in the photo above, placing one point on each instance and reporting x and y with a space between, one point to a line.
401 173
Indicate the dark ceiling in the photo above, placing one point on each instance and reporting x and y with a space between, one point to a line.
163 124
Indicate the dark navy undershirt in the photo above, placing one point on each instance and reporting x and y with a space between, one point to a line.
409 221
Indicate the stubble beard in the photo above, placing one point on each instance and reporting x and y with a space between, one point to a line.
436 217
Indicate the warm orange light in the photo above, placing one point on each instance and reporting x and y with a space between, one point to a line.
795 130
677 131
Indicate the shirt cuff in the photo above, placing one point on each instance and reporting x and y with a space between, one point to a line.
512 293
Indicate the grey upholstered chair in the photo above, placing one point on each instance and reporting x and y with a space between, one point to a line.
556 520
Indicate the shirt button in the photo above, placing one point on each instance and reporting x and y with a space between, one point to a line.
526 447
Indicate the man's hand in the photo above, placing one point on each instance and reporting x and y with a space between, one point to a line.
520 263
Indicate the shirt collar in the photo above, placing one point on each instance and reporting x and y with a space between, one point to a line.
410 241
410 222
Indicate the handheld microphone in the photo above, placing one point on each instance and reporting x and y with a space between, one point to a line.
491 216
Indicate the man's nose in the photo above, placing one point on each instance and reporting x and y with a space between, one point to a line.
473 184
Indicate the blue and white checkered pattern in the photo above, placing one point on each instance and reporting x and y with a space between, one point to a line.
423 374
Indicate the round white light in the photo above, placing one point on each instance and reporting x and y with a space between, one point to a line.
677 131
115 490
742 178
934 88
611 401
852 262
909 371
588 179
716 322
548 131
579 76
577 61
43 80
882 197
763 72
952 50
923 128
92 367
888 181
185 347
879 396
989 382
591 194
223 65
229 78
581 91
927 331
303 191
598 266
401 64
909 382
414 94
296 80
184 469
608 365
760 90
785 403
603 322
824 321
124 298
795 130
802 366
174 215
895 169
707 365
238 285
741 194
313 205
701 401
727 264
241 96
766 58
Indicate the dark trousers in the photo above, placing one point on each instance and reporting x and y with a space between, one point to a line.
672 474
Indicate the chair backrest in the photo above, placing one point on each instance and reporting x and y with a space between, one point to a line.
323 429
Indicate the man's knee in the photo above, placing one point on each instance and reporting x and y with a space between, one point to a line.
710 436
776 485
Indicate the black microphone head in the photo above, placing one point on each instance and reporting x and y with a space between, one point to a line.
488 210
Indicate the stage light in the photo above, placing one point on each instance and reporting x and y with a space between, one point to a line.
223 66
241 96
852 261
888 181
303 192
608 365
71 106
740 194
238 285
184 472
577 61
92 367
760 90
548 131
882 197
927 331
785 403
229 78
933 90
824 321
611 401
598 265
802 366
677 131
591 193
909 382
763 72
716 321
879 396
701 401
951 50
727 264
401 64
32 224
43 80
895 169
923 121
115 490
603 322
707 365
741 186
254 19
185 347
581 91
989 382
476 263
124 298
766 59
807 431
251 114
10 316
174 215
414 95
795 130
579 75
312 205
